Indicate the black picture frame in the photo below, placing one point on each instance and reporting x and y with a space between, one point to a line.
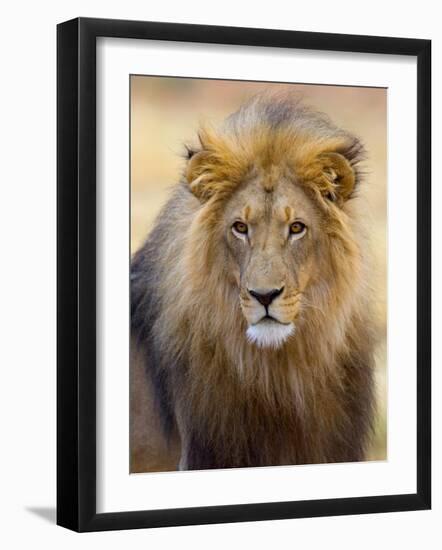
77 287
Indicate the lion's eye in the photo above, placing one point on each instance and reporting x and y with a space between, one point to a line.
240 227
296 228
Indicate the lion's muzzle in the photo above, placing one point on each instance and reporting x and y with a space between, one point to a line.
270 315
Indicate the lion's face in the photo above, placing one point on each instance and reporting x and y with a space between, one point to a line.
271 233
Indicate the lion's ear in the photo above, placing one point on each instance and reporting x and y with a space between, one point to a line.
201 164
337 179
197 171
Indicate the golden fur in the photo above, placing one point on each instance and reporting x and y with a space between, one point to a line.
231 402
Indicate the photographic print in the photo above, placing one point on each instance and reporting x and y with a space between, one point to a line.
258 274
233 342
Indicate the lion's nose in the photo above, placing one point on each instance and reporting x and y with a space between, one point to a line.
266 297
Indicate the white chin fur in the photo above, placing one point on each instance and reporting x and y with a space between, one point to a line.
269 334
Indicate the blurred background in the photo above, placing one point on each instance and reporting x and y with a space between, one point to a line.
166 113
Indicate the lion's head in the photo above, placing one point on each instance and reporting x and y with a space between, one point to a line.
273 186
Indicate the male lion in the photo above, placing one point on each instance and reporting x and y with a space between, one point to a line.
251 320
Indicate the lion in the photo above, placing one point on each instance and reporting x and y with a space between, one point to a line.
250 301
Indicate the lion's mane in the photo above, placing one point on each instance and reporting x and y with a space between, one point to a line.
231 403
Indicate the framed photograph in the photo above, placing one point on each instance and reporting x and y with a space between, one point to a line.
243 274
